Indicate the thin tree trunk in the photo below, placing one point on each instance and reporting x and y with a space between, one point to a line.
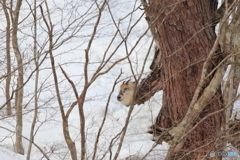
19 90
70 143
8 41
36 60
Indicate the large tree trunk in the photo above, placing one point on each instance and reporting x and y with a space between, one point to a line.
185 37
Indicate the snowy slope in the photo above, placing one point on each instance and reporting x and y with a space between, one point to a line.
48 130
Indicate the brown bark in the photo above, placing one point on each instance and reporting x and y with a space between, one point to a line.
8 55
234 133
152 84
185 38
36 61
70 143
19 90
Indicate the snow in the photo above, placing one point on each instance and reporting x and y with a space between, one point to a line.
49 136
48 129
7 154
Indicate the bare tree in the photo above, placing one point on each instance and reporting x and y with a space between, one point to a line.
19 89
36 61
69 141
8 55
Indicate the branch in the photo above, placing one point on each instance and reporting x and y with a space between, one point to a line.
45 155
74 90
196 108
104 117
220 12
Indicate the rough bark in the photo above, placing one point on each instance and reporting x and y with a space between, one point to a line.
185 38
152 84
234 133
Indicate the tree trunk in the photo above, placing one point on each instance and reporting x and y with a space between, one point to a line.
19 90
185 37
36 61
8 55
66 132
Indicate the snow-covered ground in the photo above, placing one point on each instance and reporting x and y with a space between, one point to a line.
48 129
49 137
